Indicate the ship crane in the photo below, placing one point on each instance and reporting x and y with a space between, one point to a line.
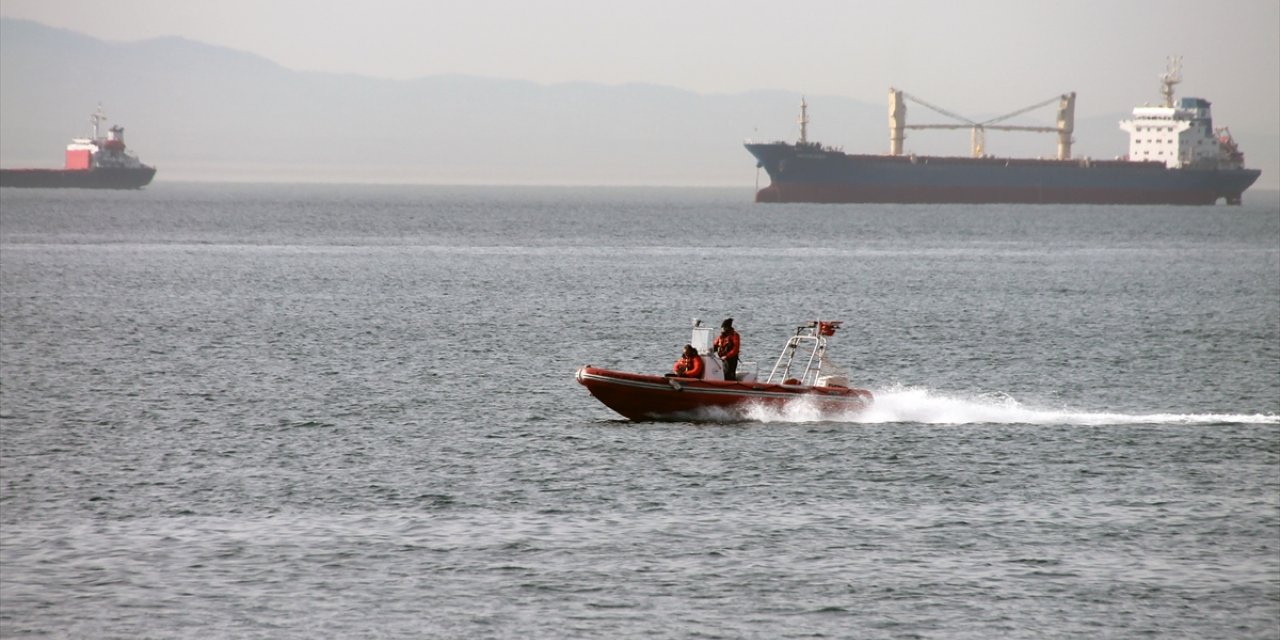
898 122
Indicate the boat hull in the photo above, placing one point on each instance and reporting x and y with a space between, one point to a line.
821 175
99 178
645 397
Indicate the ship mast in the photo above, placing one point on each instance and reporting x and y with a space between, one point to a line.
1171 76
897 121
97 118
804 122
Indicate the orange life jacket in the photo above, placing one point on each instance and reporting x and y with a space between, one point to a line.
688 367
727 344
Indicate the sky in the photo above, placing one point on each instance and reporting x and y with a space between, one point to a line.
975 57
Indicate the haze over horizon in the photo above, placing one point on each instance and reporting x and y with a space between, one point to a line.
989 57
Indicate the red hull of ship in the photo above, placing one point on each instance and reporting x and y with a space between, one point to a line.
645 397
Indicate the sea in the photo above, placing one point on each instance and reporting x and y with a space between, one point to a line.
349 411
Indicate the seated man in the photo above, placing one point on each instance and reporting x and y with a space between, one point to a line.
689 365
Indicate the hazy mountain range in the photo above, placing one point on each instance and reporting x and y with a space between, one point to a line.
201 112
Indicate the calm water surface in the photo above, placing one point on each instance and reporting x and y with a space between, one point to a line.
320 411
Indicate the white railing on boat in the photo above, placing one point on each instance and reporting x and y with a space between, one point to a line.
807 346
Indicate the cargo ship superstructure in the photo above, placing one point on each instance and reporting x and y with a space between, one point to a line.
1176 156
96 162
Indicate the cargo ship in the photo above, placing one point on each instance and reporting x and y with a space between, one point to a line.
91 163
1175 156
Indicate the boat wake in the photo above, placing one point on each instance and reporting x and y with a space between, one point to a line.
908 404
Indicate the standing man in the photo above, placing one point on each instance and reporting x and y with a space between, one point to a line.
727 346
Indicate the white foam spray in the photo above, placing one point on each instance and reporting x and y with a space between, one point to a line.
921 406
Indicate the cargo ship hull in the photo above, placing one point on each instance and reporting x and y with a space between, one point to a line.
99 178
810 173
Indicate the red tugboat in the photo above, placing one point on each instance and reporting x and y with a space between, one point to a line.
802 374
92 163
